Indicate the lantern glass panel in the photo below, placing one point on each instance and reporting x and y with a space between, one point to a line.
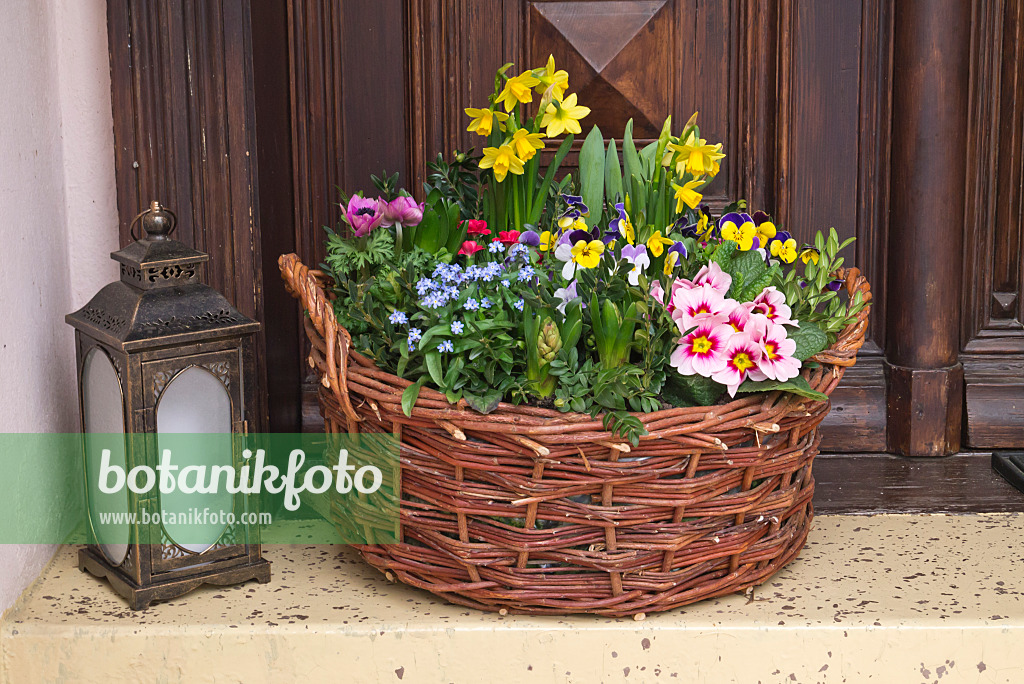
196 402
103 417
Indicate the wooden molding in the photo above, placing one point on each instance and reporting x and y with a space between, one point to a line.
995 401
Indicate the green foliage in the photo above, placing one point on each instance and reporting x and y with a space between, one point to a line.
458 182
387 186
691 390
815 301
348 256
592 175
612 174
809 338
441 227
797 385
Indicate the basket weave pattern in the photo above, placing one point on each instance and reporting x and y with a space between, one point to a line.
535 511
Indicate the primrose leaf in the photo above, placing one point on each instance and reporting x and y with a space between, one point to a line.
691 390
809 338
797 385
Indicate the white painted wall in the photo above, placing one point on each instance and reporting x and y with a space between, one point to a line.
58 222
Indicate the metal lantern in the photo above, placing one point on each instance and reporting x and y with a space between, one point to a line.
159 352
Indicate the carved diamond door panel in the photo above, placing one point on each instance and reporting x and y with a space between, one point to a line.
619 54
645 60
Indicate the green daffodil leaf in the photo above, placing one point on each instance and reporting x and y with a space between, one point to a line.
612 174
592 174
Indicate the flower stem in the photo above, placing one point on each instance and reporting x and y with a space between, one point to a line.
517 200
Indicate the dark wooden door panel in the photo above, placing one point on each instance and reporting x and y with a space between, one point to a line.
992 327
187 100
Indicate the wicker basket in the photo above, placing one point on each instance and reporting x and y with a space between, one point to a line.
530 510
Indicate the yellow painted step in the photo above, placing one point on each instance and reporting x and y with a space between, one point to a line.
901 599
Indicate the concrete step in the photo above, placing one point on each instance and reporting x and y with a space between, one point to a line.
893 598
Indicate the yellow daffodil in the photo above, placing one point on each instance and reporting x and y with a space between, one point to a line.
657 243
557 81
786 251
518 89
483 120
526 144
587 254
694 156
687 195
765 232
561 116
502 159
548 241
742 234
809 254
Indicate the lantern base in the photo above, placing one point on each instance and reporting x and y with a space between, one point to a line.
139 597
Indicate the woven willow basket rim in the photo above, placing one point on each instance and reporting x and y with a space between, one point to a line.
713 500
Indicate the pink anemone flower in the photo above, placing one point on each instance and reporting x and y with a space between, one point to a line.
772 305
701 351
741 356
363 214
777 361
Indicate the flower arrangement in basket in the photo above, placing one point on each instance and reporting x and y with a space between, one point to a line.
607 397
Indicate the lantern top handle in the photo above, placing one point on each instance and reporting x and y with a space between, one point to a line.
158 222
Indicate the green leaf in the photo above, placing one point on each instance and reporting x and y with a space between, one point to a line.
427 231
612 174
691 390
751 266
797 385
592 172
456 232
723 254
809 338
433 359
411 393
647 157
634 167
484 403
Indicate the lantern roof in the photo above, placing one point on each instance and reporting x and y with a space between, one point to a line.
159 300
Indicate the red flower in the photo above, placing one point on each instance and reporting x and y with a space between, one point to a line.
477 227
470 247
509 237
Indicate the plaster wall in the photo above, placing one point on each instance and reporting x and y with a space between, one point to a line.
58 224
